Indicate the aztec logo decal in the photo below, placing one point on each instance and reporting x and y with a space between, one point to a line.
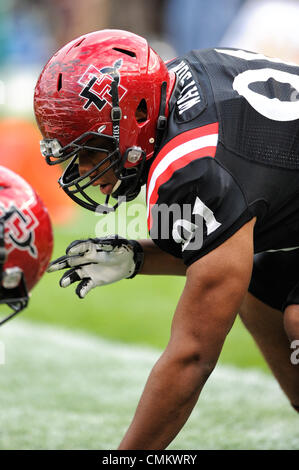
97 85
19 229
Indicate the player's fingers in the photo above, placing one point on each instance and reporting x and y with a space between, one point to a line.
104 247
69 277
84 287
66 262
109 243
79 247
59 263
89 251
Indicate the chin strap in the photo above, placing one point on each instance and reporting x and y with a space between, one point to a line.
2 248
116 113
160 128
124 189
162 119
16 298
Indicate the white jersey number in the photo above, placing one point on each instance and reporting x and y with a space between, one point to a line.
189 234
271 108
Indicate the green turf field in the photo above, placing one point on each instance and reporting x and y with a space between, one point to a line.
67 390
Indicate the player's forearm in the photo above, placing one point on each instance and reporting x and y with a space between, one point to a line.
215 287
159 262
170 395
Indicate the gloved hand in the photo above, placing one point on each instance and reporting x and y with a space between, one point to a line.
98 262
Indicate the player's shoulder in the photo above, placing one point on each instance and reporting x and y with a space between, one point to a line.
180 162
191 135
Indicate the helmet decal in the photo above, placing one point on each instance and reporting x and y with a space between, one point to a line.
97 85
20 228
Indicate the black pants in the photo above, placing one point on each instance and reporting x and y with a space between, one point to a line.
275 278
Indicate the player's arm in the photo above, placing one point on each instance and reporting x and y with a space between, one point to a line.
215 287
159 262
100 261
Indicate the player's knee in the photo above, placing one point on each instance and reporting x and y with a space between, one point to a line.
291 321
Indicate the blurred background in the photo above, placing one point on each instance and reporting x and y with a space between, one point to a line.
138 311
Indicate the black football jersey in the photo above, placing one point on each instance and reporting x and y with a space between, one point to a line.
230 153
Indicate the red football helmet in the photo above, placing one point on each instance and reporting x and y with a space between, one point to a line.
26 240
105 91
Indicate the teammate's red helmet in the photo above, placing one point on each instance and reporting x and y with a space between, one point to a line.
26 240
102 91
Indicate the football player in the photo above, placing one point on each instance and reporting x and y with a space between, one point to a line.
26 241
214 136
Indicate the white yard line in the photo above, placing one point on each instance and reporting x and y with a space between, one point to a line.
66 390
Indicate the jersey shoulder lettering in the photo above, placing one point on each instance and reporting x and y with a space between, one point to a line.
191 100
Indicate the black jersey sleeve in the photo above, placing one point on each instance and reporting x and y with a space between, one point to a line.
198 208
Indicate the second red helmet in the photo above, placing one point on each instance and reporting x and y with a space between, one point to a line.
26 240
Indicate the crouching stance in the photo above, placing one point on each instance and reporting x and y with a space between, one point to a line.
213 135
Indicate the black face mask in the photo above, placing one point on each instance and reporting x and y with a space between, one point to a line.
76 186
17 297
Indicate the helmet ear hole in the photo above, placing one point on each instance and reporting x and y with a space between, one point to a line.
59 82
125 51
141 112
